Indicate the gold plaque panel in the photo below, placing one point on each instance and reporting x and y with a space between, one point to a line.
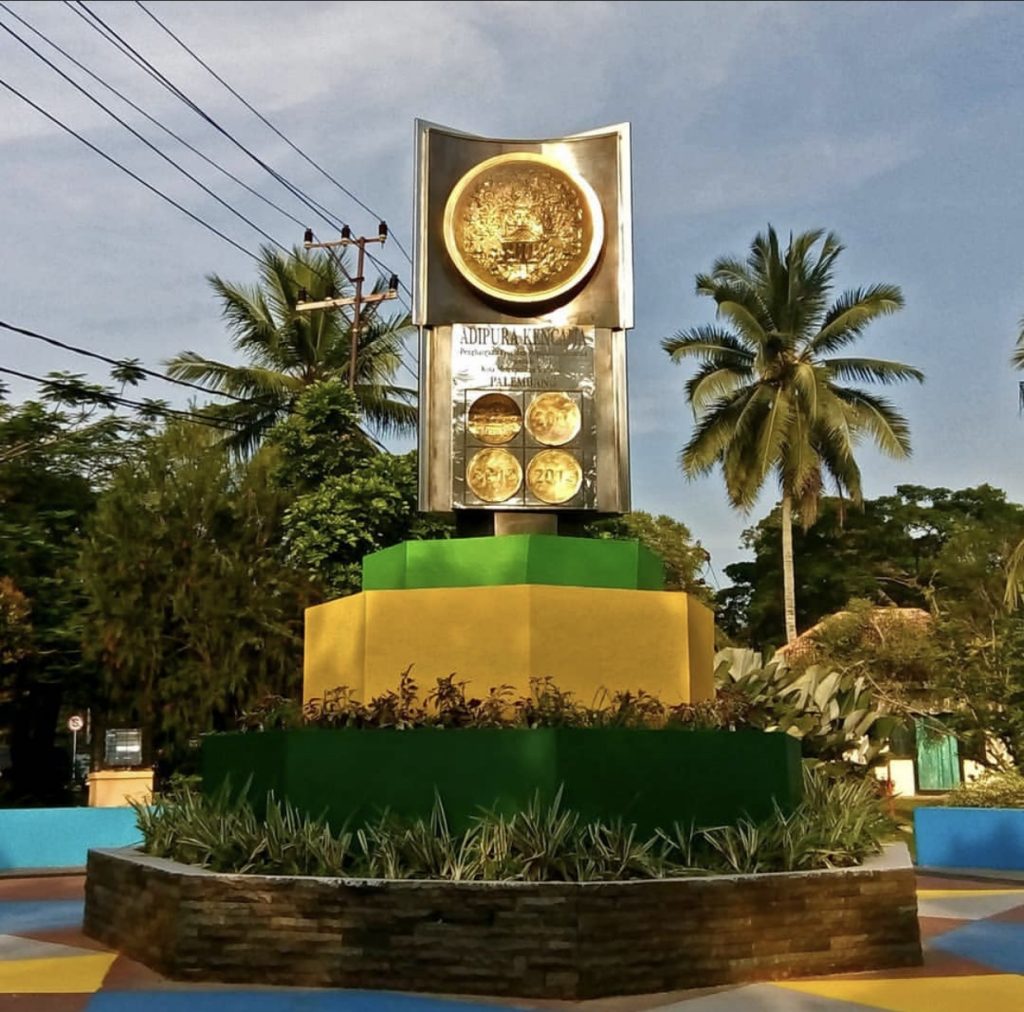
494 419
553 418
523 228
494 475
554 476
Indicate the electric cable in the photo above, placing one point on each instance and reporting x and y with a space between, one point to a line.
107 398
149 144
98 25
113 161
152 119
128 363
263 119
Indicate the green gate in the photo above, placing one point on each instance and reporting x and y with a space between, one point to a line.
938 758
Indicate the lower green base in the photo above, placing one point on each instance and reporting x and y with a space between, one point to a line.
651 778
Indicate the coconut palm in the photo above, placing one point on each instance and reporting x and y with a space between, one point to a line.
770 396
289 350
1015 564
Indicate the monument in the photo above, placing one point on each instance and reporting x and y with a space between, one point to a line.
523 293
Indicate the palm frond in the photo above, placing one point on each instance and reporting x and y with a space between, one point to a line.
708 342
851 313
879 419
1018 353
867 370
713 381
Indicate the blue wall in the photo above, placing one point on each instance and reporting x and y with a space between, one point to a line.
970 838
61 837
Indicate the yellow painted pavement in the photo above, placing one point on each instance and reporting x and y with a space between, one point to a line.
63 975
997 992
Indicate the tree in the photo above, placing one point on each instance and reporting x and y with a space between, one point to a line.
670 540
189 610
55 453
770 395
346 501
1014 588
931 548
290 350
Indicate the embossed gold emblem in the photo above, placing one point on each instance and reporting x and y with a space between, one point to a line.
494 475
495 418
553 418
523 228
554 476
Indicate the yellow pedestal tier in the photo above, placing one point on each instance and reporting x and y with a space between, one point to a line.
586 639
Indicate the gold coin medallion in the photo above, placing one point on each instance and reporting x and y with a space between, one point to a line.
495 419
522 227
553 418
554 476
494 475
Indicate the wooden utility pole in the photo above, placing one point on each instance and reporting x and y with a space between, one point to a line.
358 299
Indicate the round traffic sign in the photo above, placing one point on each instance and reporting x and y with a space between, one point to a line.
75 723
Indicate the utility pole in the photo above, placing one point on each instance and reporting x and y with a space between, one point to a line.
358 300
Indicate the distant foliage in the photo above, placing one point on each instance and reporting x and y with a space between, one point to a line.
996 789
346 499
670 539
838 824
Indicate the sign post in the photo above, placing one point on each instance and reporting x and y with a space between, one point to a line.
75 724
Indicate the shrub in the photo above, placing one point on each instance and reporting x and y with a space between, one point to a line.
1003 789
838 824
448 705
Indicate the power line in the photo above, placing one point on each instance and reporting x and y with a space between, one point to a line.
107 398
125 363
125 48
152 119
263 119
145 141
113 161
95 22
135 133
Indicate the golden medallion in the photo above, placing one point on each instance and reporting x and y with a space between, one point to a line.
523 228
553 418
494 475
495 419
554 476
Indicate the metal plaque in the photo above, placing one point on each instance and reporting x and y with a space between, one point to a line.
523 231
503 375
523 228
523 292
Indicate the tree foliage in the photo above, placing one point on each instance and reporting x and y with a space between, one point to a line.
55 453
189 610
944 551
932 548
347 500
771 395
289 350
671 540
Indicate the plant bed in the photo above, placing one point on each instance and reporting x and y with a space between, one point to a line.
559 940
648 777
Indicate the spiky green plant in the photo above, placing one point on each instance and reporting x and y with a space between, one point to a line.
837 824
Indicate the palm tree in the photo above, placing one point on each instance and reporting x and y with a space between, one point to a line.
1015 564
290 350
769 397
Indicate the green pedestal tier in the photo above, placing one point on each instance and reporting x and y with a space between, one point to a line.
543 559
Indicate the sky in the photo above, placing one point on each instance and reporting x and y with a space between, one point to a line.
898 125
